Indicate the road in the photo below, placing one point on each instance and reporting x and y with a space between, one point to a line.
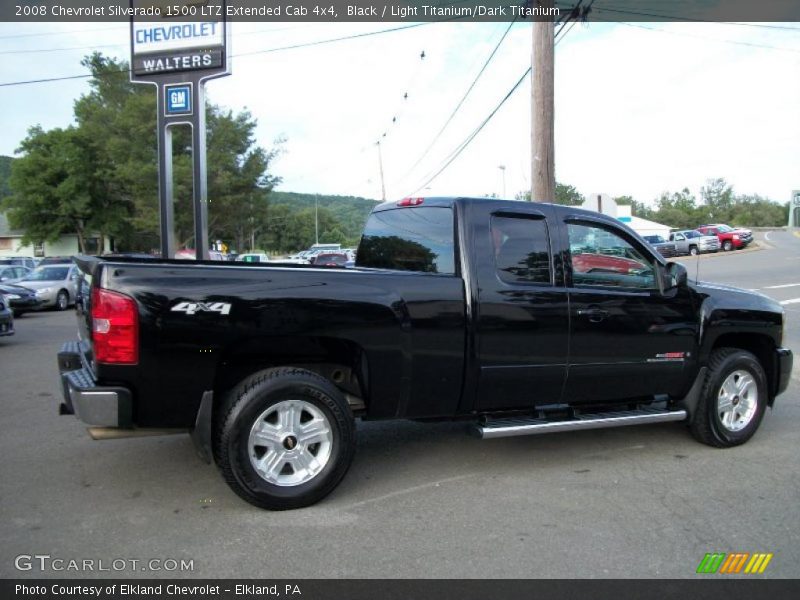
421 500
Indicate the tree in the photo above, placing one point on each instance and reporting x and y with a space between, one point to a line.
58 187
718 196
121 117
565 194
5 175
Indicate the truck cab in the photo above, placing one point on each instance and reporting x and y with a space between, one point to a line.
519 318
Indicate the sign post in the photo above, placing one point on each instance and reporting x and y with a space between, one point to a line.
794 209
178 52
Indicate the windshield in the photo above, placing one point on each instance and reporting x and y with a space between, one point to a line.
48 274
724 229
693 234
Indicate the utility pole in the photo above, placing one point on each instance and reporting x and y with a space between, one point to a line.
543 179
380 166
503 170
316 218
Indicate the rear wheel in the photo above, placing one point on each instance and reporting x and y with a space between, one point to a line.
62 300
727 246
733 400
285 438
693 250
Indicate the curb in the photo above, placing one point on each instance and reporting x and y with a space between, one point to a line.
754 247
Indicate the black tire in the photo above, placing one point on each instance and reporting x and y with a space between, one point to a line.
247 403
707 425
62 300
693 250
727 246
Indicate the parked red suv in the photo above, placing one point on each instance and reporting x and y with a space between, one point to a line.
729 238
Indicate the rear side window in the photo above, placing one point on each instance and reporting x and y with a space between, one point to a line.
521 249
409 239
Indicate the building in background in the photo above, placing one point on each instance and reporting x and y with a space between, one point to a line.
66 245
603 203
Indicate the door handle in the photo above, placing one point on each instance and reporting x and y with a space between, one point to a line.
594 313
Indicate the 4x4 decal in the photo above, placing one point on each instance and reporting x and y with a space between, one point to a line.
192 308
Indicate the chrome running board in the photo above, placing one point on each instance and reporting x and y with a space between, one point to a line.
496 428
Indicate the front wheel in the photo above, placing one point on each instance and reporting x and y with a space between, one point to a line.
733 399
62 300
285 438
693 251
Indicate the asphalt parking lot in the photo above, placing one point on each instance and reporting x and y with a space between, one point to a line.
421 500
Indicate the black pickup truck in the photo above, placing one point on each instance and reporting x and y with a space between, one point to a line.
518 317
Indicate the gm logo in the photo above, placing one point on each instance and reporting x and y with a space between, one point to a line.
178 99
734 563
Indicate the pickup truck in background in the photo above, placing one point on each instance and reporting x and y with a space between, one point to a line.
693 242
662 246
516 317
729 238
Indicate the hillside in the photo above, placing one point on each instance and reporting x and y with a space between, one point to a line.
351 212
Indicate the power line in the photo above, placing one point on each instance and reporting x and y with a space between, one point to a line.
265 51
710 39
573 15
626 11
21 35
461 147
127 44
463 99
583 16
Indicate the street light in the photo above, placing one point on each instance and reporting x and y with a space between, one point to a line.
503 169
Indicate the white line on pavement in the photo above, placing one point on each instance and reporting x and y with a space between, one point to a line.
792 301
779 287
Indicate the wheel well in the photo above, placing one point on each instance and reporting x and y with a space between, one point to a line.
761 346
340 361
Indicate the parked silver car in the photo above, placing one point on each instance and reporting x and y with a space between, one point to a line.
13 273
56 285
693 242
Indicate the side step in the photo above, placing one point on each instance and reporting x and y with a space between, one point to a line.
496 428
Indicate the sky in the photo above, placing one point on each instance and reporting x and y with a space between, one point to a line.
641 109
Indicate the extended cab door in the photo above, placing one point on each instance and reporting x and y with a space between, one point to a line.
627 338
521 317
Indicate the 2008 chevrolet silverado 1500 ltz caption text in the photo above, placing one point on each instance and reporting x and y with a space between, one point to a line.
517 317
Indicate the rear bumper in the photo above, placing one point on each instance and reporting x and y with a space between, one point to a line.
784 371
708 246
101 406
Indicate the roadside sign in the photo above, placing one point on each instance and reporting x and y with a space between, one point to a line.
178 99
178 48
163 46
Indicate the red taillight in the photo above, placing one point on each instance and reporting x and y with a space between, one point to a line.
411 201
115 328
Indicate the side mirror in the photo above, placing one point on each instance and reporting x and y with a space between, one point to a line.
675 276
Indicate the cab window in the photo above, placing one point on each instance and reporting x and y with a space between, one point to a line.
521 249
600 257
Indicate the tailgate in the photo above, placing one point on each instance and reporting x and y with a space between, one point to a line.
89 267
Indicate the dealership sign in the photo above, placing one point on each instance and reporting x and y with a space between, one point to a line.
178 46
163 45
